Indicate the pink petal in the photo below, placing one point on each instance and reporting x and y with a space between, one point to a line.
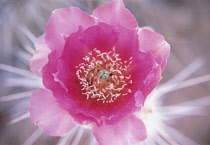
101 36
162 54
51 81
152 80
47 114
65 21
153 42
128 131
148 28
40 57
139 98
115 13
60 74
149 40
104 37
48 72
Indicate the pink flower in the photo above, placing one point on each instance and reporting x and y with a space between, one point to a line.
97 70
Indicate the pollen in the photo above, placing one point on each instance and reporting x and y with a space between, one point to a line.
104 76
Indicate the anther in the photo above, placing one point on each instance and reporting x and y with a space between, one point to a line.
102 76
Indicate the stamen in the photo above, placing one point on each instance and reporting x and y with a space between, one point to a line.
102 76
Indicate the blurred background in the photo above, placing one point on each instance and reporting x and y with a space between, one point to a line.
185 24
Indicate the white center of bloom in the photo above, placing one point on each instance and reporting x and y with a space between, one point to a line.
104 76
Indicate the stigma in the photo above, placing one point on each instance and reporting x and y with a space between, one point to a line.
104 76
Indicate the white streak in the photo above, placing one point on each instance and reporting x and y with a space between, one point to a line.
36 134
184 74
78 136
68 137
20 118
23 82
15 96
16 70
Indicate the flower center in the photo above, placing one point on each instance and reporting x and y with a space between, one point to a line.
104 76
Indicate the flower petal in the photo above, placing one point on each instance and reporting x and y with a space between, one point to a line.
162 54
47 114
115 13
101 36
65 21
149 40
40 57
152 80
153 42
77 46
128 131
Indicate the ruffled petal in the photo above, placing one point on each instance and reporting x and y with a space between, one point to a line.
48 115
162 54
63 22
153 42
101 36
40 57
128 131
144 71
104 37
152 80
115 13
149 41
59 75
